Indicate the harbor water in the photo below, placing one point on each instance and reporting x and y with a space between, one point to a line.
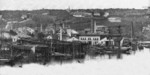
137 63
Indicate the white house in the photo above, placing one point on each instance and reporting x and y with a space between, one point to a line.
93 39
114 19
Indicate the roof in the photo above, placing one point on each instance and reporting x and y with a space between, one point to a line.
107 35
23 35
72 39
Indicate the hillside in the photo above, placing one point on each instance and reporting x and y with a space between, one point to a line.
50 17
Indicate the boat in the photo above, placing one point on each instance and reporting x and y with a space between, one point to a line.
123 46
142 44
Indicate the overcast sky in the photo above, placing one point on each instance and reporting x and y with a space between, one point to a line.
74 4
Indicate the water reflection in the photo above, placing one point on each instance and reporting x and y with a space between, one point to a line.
78 59
137 63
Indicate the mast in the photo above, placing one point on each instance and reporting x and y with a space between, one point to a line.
132 31
41 28
60 34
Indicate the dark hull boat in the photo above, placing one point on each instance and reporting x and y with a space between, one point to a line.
142 44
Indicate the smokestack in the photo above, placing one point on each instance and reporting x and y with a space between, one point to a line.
92 26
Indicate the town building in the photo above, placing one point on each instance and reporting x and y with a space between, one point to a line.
101 29
95 39
90 38
114 19
81 14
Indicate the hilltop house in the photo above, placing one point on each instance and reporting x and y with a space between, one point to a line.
81 14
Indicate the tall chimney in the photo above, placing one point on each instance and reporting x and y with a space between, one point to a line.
92 26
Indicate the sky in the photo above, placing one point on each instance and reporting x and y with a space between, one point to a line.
73 4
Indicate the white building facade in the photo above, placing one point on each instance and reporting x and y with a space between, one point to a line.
92 39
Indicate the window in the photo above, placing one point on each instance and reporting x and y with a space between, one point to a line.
82 38
93 38
96 38
89 38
